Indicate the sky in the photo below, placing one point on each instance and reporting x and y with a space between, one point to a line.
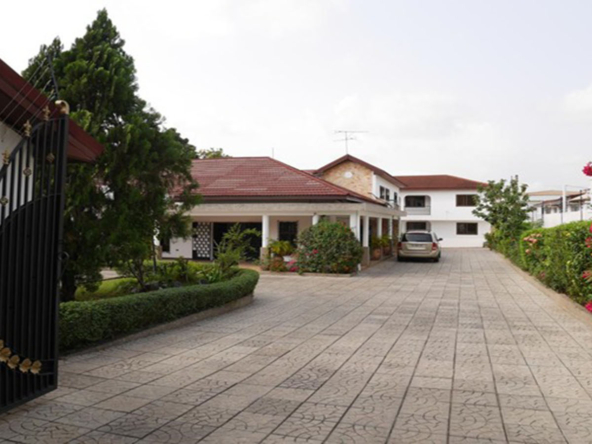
478 89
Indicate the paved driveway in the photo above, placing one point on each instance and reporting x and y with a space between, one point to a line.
464 351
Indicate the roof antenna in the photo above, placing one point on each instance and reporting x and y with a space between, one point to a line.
347 136
272 152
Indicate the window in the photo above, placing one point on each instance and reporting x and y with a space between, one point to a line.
466 228
288 231
415 201
385 194
395 198
466 200
417 237
417 226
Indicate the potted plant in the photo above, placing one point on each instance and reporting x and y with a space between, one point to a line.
281 248
386 245
376 244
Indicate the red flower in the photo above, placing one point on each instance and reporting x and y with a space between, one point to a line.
589 306
587 170
589 242
315 251
587 274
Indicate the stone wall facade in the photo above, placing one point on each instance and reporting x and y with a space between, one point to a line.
352 176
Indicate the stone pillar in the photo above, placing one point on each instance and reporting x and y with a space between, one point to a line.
366 241
315 219
264 237
392 235
379 227
354 225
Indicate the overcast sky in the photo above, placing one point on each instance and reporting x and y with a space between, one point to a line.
480 89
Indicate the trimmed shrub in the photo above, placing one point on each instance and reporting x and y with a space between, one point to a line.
328 247
560 257
85 322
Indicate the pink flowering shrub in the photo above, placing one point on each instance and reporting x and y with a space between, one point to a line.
328 247
587 170
589 306
561 257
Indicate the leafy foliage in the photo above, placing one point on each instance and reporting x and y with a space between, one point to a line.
328 247
84 323
234 248
504 205
115 207
212 153
281 248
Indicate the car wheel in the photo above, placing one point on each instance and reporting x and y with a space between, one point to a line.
437 259
399 259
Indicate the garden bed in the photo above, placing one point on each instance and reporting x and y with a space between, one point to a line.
83 323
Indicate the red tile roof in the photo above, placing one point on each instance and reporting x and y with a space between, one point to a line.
438 182
348 157
20 101
263 178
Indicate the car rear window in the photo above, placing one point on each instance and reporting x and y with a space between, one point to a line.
417 237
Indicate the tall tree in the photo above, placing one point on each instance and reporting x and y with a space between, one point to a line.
114 207
504 204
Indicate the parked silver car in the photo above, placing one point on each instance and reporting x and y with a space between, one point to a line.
419 244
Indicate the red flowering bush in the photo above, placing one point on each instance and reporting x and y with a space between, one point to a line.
589 306
328 247
587 170
561 257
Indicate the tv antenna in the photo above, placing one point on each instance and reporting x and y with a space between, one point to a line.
347 136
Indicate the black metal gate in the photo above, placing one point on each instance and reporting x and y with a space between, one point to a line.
31 213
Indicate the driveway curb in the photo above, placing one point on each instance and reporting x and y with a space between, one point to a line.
564 300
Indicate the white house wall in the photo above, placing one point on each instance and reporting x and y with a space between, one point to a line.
9 140
554 219
446 230
444 215
378 182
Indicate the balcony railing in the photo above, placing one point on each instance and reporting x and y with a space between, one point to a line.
419 211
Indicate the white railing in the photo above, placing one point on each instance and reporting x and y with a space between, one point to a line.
419 211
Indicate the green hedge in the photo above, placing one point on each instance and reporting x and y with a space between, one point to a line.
557 256
86 322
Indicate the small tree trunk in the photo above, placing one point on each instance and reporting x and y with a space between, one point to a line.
68 290
154 264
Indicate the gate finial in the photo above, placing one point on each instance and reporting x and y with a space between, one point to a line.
63 106
27 127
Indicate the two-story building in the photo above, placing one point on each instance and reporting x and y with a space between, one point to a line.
443 204
440 203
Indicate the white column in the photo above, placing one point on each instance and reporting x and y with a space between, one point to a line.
354 224
379 226
315 219
390 228
265 231
366 234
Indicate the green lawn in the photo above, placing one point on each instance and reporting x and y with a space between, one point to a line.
108 289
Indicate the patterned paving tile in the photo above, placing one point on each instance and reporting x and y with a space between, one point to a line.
465 351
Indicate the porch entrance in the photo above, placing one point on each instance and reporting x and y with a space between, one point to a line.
220 228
